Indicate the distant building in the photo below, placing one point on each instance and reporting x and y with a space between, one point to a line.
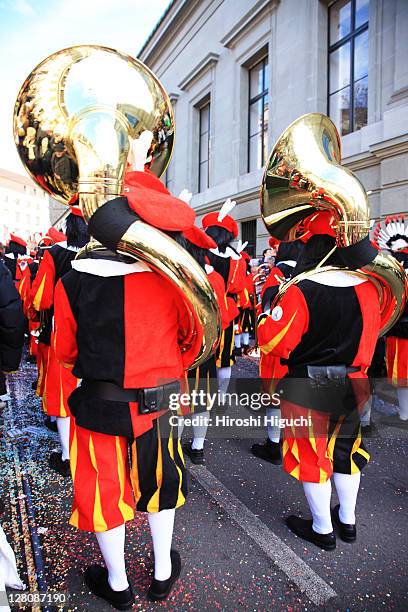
239 71
24 207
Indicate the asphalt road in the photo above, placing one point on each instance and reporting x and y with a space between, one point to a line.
237 552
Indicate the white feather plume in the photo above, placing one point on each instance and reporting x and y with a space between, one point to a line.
226 209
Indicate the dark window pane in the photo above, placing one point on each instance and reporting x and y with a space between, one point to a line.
361 12
248 234
203 176
204 118
340 110
255 152
340 20
255 117
255 80
360 103
266 76
361 56
204 147
265 133
340 68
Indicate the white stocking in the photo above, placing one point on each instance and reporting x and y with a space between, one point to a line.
112 545
274 431
318 496
200 430
347 486
237 341
402 393
161 527
224 375
63 424
245 338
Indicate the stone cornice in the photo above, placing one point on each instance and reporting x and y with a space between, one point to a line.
391 147
201 68
239 28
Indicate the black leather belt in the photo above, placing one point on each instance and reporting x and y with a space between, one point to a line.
150 399
322 371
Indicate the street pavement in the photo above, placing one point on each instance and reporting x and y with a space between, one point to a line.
237 552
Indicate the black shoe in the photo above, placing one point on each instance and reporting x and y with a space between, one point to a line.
160 589
347 532
51 425
34 385
268 451
369 431
58 465
303 529
196 456
237 351
246 349
96 577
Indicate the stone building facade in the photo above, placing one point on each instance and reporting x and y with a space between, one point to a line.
239 71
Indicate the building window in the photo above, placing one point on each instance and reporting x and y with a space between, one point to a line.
248 233
204 146
348 64
258 114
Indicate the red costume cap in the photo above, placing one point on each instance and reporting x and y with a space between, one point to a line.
199 238
273 242
227 223
155 205
56 235
17 240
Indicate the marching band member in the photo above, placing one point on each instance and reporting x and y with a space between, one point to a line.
394 238
325 328
14 250
122 327
271 368
225 260
204 377
59 381
244 323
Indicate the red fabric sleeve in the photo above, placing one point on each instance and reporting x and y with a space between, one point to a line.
280 332
42 290
217 283
236 276
273 279
66 348
370 310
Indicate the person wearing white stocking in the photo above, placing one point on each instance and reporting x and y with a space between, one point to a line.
325 327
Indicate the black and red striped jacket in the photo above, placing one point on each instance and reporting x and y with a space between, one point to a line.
330 322
122 323
55 263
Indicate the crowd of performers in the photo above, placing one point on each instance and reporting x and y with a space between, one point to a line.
106 331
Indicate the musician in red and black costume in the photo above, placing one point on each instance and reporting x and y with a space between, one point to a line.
16 248
122 328
226 260
325 329
59 381
392 236
204 377
271 368
245 321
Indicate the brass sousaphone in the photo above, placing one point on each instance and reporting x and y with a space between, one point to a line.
303 175
74 118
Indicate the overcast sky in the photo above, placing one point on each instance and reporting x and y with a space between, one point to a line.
30 30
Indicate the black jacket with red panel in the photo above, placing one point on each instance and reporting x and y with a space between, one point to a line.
55 263
120 323
329 321
232 268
